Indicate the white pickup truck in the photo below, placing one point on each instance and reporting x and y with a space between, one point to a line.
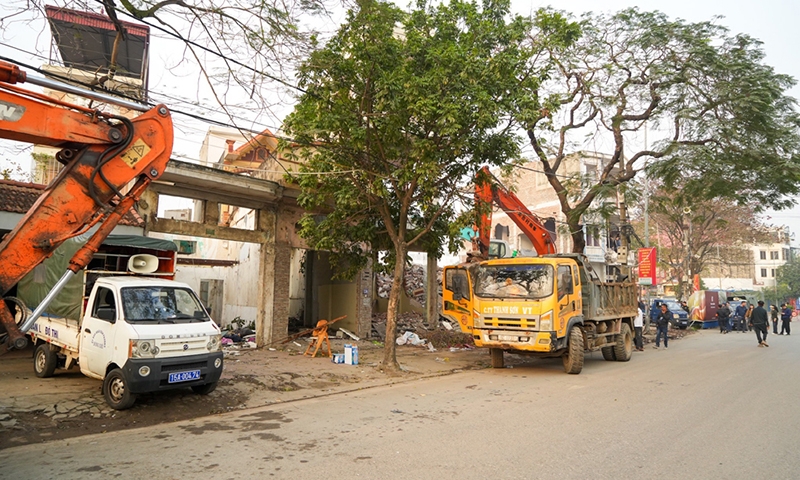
137 335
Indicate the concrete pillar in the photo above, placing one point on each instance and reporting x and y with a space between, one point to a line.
147 206
272 318
432 291
211 213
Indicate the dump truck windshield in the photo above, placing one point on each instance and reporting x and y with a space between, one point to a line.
514 281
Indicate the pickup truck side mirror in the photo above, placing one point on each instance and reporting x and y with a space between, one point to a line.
108 314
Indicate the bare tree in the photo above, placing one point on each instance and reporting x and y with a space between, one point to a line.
716 106
245 51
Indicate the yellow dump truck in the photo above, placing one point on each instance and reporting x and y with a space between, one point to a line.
548 306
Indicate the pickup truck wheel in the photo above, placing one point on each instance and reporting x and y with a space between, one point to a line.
204 389
624 347
573 359
497 357
608 354
44 361
116 392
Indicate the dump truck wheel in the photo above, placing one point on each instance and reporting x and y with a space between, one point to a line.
573 359
44 361
608 353
624 347
204 389
497 357
116 392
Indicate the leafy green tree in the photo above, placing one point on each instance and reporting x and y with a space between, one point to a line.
788 279
722 122
401 110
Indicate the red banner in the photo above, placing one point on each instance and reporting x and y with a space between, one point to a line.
696 283
647 266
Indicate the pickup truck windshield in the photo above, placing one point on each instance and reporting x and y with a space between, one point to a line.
514 281
162 304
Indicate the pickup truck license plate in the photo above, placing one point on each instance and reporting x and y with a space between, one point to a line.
184 376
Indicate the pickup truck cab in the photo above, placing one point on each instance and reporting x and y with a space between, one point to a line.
679 314
137 335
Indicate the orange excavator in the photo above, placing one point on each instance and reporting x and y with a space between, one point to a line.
109 160
489 190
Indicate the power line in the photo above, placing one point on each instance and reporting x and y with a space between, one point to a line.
206 49
128 97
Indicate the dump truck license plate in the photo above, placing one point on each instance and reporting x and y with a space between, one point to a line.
184 376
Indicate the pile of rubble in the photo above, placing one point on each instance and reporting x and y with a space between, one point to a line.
238 339
412 322
414 283
444 335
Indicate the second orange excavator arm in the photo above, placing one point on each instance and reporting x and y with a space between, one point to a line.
489 191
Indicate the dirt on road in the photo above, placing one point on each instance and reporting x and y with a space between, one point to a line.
35 410
69 404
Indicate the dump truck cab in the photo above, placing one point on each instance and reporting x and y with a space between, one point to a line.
528 302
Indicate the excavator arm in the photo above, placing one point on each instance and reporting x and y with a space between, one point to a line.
488 191
109 161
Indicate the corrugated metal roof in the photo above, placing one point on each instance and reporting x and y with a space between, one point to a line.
91 19
19 197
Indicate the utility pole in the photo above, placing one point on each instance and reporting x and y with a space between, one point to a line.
689 280
622 253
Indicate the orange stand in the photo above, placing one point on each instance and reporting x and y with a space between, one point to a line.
320 334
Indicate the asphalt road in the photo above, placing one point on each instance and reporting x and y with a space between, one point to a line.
712 406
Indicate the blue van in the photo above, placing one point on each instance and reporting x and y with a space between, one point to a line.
680 315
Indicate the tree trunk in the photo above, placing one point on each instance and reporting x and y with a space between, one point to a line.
390 347
578 239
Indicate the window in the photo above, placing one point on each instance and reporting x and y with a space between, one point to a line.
763 255
564 281
773 255
763 273
501 232
784 255
507 281
773 273
104 301
161 304
592 236
457 282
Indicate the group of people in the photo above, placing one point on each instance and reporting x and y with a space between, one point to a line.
756 318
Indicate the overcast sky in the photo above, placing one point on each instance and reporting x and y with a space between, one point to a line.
774 22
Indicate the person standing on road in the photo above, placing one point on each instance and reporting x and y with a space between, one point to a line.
748 319
759 321
685 306
774 314
786 319
724 316
638 324
663 320
738 315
